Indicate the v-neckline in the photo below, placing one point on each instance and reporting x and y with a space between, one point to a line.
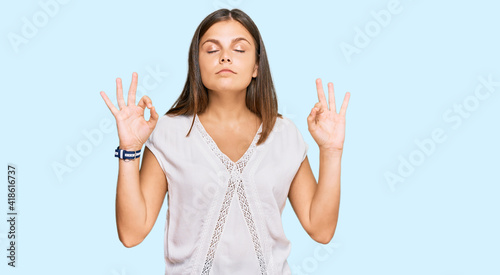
215 148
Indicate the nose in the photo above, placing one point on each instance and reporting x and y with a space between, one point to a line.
225 58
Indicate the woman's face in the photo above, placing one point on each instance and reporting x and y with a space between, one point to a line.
227 45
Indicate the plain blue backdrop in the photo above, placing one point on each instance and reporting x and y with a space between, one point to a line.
420 180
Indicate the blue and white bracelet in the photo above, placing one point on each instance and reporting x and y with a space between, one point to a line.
127 155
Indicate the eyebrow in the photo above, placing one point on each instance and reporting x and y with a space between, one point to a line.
215 41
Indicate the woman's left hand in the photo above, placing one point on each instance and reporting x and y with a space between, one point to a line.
325 125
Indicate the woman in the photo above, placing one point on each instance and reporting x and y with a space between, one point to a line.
227 159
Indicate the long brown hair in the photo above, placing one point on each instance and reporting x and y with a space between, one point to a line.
261 96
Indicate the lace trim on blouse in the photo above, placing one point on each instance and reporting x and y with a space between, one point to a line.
235 182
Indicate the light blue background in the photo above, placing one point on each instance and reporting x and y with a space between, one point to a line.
442 219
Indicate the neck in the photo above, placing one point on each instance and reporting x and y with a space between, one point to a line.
227 107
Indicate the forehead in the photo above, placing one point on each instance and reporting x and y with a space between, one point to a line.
226 31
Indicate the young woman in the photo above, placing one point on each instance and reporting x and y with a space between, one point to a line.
227 158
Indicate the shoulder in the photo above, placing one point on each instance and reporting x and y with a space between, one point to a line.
287 140
171 126
175 121
285 132
285 124
174 118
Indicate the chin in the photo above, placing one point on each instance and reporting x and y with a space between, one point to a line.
228 89
227 86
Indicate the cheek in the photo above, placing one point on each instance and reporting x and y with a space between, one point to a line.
205 65
245 63
202 61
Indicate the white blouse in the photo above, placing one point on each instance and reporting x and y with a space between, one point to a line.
224 217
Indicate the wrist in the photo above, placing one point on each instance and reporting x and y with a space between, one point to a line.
331 152
129 147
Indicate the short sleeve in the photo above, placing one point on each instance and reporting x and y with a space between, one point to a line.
154 146
305 150
304 146
301 144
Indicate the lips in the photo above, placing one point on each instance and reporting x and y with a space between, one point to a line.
225 71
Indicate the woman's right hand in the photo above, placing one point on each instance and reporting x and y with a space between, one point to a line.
133 129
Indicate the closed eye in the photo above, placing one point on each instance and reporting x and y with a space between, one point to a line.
240 51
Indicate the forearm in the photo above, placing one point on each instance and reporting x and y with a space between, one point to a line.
130 203
325 204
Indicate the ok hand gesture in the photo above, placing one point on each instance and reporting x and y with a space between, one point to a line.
133 129
325 125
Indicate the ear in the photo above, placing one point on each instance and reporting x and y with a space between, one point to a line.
255 69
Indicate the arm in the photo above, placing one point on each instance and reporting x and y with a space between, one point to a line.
317 204
139 194
139 197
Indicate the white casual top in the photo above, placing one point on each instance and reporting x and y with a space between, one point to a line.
224 217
